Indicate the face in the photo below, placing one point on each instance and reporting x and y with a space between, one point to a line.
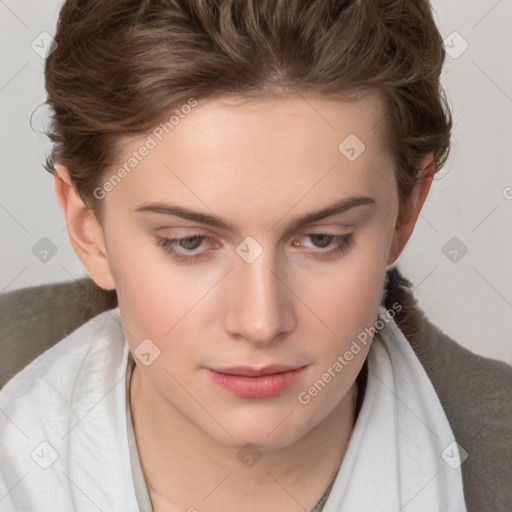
239 271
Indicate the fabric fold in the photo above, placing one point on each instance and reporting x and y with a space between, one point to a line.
402 454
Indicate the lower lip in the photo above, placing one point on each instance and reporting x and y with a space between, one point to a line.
264 386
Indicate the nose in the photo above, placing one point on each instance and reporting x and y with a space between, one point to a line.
260 304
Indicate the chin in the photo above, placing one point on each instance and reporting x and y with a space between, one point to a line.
270 431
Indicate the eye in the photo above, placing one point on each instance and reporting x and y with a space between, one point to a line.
342 244
188 244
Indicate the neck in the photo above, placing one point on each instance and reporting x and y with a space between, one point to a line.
203 473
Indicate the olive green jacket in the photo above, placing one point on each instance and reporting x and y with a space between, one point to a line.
475 392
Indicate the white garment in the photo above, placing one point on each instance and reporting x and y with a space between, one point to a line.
72 397
401 455
64 447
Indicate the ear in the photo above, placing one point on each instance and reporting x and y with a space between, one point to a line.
84 230
408 216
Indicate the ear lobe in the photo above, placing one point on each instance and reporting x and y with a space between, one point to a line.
84 230
410 212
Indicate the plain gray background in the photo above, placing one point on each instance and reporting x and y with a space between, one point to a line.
460 255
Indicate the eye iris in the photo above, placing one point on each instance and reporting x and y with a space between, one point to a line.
184 242
325 239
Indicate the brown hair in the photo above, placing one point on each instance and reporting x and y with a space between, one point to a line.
121 64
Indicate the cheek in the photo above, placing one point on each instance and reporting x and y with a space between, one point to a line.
160 305
349 308
139 286
348 301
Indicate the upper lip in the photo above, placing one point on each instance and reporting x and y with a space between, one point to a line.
249 371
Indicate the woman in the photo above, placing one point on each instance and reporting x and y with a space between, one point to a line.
242 174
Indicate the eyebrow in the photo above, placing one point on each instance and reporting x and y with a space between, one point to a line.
212 220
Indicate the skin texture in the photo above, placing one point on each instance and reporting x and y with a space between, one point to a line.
258 165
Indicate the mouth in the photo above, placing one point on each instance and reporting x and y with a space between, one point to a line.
248 382
248 371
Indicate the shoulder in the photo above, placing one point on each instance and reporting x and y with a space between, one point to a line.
46 392
61 415
451 367
34 319
62 362
481 385
476 395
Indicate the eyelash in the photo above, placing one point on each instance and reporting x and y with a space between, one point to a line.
343 245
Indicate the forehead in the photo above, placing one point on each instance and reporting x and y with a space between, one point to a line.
284 146
272 125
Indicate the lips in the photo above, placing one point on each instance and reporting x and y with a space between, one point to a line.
248 371
249 382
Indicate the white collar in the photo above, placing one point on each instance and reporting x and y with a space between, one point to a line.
402 453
